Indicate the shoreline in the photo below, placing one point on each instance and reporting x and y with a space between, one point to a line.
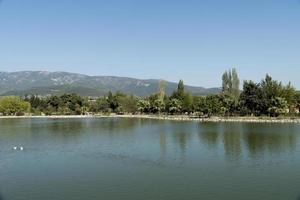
166 117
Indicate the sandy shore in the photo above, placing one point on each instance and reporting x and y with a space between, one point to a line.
168 117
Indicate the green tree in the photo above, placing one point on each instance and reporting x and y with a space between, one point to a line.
175 106
290 95
275 94
127 104
161 90
214 105
187 103
231 84
157 104
38 104
180 88
297 106
55 102
100 105
144 105
112 100
270 87
12 105
199 105
72 102
279 106
229 105
180 92
252 99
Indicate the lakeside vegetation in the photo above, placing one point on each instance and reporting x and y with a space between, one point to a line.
268 98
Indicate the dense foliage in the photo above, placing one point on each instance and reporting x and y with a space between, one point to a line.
267 98
12 105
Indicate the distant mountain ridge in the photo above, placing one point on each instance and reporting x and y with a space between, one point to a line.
48 83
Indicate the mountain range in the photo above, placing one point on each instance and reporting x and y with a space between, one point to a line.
49 83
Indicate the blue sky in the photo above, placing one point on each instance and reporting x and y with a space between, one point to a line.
193 40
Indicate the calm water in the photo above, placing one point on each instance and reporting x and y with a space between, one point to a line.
140 159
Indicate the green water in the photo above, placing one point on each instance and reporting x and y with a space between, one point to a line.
138 159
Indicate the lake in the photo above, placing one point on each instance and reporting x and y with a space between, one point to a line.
144 159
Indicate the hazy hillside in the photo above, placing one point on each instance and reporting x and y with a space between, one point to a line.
44 83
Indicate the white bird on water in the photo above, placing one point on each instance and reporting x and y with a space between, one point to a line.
20 148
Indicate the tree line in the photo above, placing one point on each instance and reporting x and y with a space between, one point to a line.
266 98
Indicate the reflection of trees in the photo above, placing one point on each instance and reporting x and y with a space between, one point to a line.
181 138
64 127
229 135
181 133
19 126
208 133
232 140
273 138
162 143
11 122
115 125
256 138
73 127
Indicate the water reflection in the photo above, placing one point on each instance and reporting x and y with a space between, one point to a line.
73 127
276 142
9 122
116 125
62 128
162 144
240 139
235 140
181 138
232 141
186 160
211 138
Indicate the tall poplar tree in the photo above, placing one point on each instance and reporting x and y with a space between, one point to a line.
231 83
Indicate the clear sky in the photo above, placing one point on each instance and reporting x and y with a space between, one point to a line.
195 40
